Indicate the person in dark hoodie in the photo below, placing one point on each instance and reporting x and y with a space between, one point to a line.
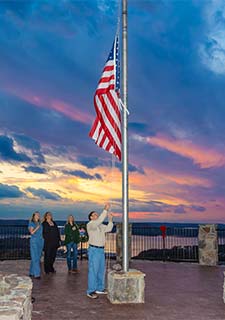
72 238
51 237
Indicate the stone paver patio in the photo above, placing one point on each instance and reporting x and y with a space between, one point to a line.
174 291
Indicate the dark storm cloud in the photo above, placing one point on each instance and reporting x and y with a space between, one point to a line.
32 145
7 152
83 175
35 169
94 162
8 191
44 194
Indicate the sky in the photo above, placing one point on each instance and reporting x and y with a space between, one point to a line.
51 58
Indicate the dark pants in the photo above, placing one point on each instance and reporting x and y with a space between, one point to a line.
49 258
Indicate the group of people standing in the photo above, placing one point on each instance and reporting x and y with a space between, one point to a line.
45 236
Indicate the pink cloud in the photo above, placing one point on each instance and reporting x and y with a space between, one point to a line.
200 155
156 178
58 105
71 111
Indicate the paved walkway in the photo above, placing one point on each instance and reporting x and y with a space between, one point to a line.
174 291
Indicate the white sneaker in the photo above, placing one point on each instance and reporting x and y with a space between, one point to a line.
92 295
102 292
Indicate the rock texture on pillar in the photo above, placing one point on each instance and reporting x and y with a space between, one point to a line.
126 287
15 297
208 245
119 241
224 289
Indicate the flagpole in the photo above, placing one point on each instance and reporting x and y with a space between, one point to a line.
125 139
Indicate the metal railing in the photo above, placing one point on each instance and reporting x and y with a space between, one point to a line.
175 244
221 245
14 242
147 242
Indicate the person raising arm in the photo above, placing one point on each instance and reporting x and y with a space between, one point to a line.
96 255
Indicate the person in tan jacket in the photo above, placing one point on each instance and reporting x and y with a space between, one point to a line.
96 255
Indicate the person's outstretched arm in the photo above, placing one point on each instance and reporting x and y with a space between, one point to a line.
95 223
109 226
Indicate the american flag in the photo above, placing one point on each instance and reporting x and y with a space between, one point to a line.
106 129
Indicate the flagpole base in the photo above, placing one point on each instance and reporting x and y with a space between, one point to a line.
126 287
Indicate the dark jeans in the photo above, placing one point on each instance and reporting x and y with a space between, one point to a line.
49 258
69 247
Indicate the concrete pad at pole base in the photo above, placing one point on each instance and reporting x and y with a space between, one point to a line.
126 287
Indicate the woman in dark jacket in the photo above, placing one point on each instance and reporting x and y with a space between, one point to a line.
51 237
72 238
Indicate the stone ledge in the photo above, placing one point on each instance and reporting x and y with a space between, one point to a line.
15 297
126 287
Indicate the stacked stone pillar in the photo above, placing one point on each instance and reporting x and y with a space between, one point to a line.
224 289
208 245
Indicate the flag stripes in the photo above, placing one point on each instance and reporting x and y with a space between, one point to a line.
106 129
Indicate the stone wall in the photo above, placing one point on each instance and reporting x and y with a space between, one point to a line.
208 245
15 297
224 289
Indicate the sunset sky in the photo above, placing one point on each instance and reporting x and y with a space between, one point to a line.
52 54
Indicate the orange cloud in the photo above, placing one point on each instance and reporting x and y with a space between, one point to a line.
202 156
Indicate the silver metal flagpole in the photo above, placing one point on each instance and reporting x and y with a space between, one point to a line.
125 139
